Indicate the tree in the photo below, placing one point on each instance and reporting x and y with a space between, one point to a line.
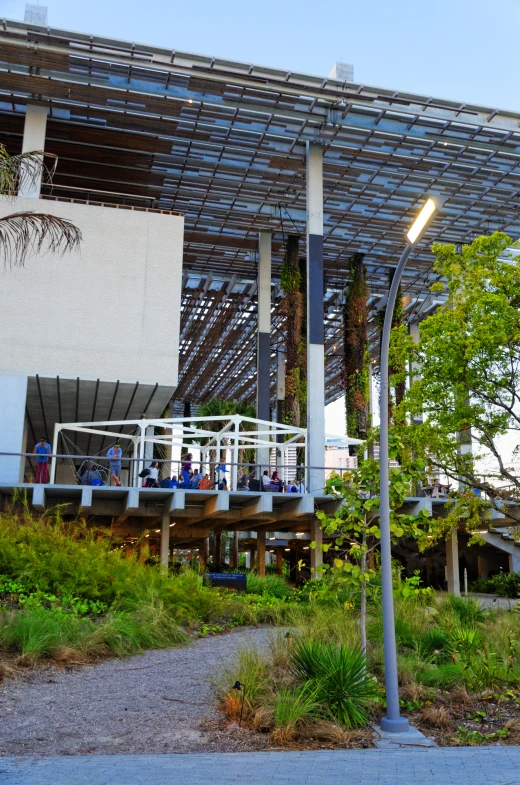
25 232
356 359
355 526
469 354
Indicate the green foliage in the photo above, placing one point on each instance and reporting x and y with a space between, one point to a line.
293 706
272 585
466 610
356 357
469 354
339 676
504 584
435 645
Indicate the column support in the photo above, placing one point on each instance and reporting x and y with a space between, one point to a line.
279 561
452 563
315 330
206 550
263 357
260 552
316 553
165 541
218 549
34 131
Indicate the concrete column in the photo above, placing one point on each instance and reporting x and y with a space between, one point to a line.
316 553
263 356
218 549
252 556
206 550
234 552
452 563
280 398
165 541
260 544
34 141
13 398
279 561
514 562
315 331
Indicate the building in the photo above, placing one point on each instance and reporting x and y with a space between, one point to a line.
186 174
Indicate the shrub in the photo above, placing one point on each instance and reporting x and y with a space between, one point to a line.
503 584
271 584
465 610
291 708
435 644
340 677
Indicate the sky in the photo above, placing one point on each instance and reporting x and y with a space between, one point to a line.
463 50
455 49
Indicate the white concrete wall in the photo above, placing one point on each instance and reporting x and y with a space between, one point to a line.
13 394
111 311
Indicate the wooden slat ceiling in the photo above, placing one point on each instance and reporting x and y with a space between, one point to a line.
223 143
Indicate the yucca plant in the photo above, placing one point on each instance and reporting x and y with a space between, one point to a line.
340 676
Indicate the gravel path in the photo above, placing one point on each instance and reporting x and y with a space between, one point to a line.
122 706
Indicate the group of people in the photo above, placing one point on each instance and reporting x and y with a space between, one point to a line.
274 484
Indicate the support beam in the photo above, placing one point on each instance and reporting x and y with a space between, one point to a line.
452 563
218 549
206 550
234 552
260 545
165 541
176 502
316 553
315 316
34 141
279 561
86 499
38 498
130 505
214 507
263 357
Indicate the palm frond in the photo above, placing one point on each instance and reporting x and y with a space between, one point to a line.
24 233
24 171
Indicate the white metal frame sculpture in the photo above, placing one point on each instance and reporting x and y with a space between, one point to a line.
237 433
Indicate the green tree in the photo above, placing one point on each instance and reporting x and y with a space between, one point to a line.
24 232
469 353
354 527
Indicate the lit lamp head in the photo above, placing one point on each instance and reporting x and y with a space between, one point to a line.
425 217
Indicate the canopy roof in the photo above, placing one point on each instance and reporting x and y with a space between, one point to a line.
224 143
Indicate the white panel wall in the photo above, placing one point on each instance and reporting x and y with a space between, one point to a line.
111 311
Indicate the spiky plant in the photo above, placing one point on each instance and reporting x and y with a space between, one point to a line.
24 232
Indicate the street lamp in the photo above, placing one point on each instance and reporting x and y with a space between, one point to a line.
393 722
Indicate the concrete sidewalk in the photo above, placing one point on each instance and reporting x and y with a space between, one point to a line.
447 766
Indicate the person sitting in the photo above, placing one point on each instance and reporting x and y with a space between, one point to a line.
266 481
242 483
299 486
152 479
196 480
174 482
276 483
205 483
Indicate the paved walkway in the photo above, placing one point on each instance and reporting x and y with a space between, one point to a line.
448 766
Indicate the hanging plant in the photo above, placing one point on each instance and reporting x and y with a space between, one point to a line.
293 309
355 351
398 350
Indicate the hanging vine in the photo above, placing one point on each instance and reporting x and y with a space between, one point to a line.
294 410
397 360
355 351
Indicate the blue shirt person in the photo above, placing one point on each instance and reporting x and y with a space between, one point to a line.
114 455
42 451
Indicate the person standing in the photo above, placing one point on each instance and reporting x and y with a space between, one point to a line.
114 456
42 451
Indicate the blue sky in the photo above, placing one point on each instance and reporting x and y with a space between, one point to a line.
459 49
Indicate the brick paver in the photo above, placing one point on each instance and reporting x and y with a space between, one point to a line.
448 766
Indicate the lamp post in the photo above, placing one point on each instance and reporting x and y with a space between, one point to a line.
393 722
